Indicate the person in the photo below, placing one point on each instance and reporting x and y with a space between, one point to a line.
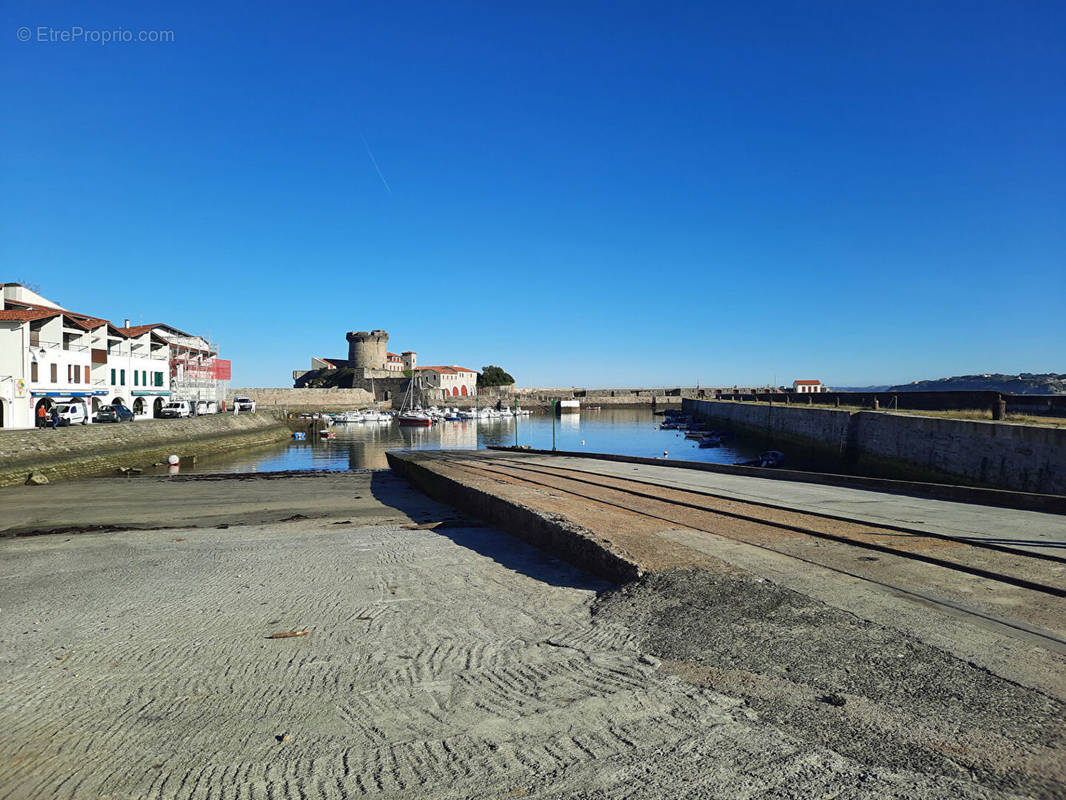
55 418
42 415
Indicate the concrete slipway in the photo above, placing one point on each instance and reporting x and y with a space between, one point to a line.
447 659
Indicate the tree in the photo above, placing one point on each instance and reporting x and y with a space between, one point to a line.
494 376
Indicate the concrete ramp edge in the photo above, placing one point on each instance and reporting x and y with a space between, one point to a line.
551 533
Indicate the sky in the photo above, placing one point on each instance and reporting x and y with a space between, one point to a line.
586 194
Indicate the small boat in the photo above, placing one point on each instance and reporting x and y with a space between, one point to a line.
349 416
711 441
769 458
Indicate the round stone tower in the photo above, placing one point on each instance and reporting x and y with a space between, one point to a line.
368 350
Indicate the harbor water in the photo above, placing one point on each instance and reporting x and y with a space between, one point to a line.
622 431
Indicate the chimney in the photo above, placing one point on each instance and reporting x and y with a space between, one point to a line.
127 323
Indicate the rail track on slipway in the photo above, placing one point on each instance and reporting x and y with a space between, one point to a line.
1041 573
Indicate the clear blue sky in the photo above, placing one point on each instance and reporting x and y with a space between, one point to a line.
593 194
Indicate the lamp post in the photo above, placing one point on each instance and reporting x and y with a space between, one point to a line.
516 421
553 424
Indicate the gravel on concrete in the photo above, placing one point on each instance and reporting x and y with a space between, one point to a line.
833 680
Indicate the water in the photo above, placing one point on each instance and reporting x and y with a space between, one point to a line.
624 431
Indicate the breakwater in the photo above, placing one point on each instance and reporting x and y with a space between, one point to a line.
528 397
80 451
976 400
1024 458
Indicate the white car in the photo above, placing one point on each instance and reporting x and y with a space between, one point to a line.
175 409
244 404
72 413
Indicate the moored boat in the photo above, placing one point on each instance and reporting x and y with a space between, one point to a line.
416 418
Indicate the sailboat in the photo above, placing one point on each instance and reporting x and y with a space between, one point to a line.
409 414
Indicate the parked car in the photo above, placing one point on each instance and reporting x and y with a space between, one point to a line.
243 404
71 413
114 413
176 409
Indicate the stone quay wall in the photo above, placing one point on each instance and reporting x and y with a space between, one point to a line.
1025 458
529 397
947 400
82 450
269 399
540 397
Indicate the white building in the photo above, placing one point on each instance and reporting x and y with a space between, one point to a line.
197 374
808 387
452 381
51 355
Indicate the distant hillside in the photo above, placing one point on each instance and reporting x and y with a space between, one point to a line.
879 388
1025 383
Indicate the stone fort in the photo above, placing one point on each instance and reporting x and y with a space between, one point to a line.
372 367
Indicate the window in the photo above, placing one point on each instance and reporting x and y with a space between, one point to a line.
87 380
112 377
33 372
68 373
75 373
122 376
159 379
136 375
144 377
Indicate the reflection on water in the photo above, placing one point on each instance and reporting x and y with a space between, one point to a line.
625 431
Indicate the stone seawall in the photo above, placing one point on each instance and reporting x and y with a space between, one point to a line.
544 401
1024 458
307 399
269 399
83 450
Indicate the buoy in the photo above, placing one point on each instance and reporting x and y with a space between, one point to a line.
173 459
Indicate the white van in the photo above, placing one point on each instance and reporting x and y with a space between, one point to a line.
176 409
242 404
72 413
